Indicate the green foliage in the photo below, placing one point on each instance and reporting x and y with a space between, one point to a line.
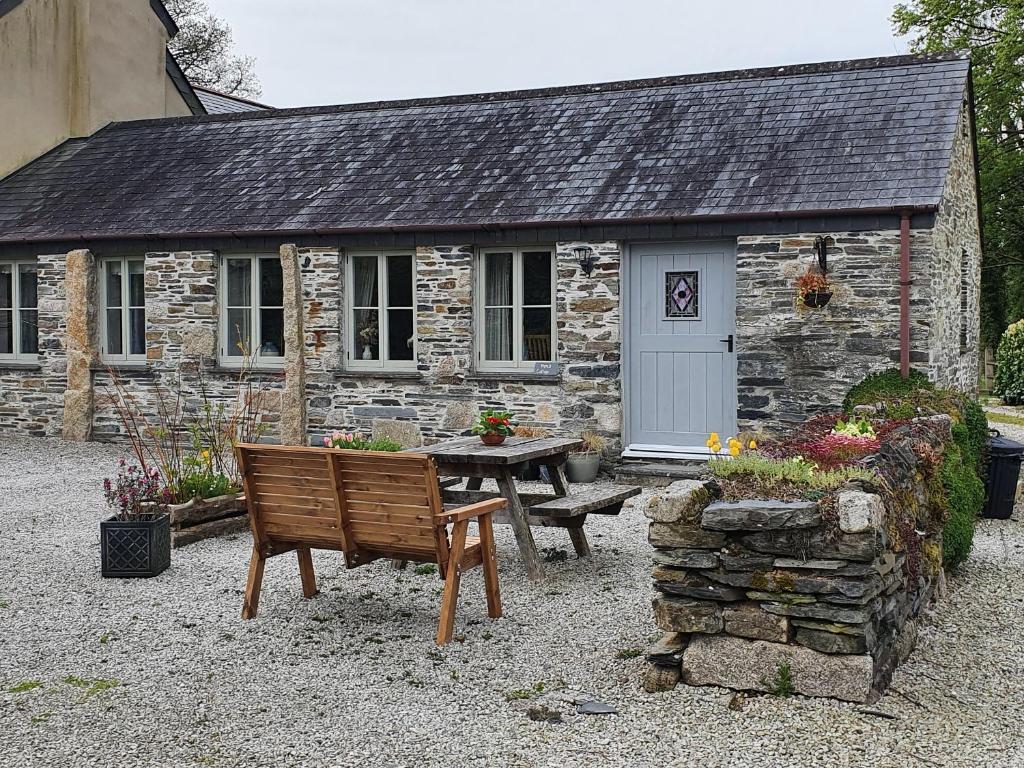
24 686
781 684
629 653
885 385
493 422
1010 365
993 32
427 569
796 470
202 485
993 416
353 441
965 495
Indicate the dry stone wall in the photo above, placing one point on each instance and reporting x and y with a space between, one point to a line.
830 592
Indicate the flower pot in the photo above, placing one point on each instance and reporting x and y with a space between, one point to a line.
583 467
492 439
816 299
135 548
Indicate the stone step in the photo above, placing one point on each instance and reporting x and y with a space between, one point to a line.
659 474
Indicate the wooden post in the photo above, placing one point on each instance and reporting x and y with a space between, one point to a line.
520 526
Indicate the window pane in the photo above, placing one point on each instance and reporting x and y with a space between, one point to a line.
136 284
536 278
29 331
366 334
537 334
271 283
400 334
239 287
400 281
114 346
137 332
238 333
497 334
271 333
498 280
6 286
113 283
364 281
6 331
27 279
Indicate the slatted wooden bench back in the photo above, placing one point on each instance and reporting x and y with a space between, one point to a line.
293 497
390 506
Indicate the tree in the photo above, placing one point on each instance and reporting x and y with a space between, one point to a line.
204 48
993 32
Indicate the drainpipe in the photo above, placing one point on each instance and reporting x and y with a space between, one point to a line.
905 294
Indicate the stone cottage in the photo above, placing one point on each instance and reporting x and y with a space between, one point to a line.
618 257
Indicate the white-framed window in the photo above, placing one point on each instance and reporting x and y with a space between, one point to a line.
252 309
19 318
515 315
123 319
381 315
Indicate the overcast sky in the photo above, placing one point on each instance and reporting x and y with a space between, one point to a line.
338 51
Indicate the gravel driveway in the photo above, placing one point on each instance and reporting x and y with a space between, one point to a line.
164 673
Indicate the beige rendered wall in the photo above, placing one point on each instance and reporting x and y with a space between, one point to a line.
69 67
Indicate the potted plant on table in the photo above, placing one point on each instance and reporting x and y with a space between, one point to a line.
493 426
136 541
585 462
813 289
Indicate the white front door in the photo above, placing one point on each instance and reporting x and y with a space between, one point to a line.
680 338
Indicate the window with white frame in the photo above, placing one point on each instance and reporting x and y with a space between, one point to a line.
123 321
381 318
19 318
252 310
515 308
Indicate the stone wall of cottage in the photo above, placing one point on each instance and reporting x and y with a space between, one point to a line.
32 401
956 281
437 400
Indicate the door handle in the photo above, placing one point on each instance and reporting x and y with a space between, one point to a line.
727 341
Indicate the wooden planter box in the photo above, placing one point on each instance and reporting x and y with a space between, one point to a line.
206 518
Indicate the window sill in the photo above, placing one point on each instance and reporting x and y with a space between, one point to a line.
377 373
20 365
523 377
261 370
131 367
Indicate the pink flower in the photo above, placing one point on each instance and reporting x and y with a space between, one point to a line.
327 442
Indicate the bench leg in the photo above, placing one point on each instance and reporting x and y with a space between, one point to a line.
252 587
474 483
398 563
490 566
306 572
446 624
579 542
521 527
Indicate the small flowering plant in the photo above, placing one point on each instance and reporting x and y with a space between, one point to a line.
734 445
491 422
136 493
857 427
811 287
354 441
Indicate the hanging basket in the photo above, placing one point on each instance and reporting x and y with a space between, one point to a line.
816 299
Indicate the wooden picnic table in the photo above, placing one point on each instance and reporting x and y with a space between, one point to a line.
468 457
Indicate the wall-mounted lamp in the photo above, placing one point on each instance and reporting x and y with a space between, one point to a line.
821 245
585 258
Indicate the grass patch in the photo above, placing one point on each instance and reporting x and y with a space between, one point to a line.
91 687
781 684
794 472
1005 418
24 686
427 569
521 694
629 653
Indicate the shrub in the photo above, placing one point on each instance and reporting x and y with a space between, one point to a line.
353 441
884 385
965 495
1010 365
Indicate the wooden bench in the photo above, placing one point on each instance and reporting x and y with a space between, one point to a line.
368 505
554 511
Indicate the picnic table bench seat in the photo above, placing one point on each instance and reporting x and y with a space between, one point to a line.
367 505
589 501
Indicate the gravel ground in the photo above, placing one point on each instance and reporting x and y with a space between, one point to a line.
163 672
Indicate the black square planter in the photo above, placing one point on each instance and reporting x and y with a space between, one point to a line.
135 548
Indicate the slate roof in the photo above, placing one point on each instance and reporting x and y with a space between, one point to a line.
868 134
217 103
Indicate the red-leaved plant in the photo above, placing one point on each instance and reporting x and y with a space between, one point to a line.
136 493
